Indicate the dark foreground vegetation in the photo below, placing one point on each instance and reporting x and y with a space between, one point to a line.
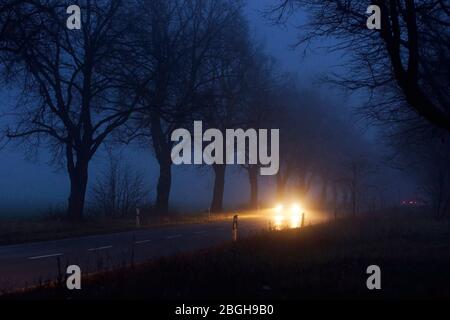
322 261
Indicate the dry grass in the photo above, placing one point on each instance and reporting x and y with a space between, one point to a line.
324 261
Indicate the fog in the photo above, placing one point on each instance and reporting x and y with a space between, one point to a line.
30 183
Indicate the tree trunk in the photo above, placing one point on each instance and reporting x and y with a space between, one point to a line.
253 179
162 151
163 188
219 187
78 184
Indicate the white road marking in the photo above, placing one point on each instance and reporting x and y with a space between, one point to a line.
100 248
45 256
142 241
175 236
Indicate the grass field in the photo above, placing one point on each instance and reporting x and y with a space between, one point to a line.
322 261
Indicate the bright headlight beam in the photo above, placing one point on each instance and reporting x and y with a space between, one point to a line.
279 208
295 209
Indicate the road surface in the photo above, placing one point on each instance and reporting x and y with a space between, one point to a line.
29 264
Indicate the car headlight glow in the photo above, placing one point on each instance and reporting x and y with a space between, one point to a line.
295 209
279 208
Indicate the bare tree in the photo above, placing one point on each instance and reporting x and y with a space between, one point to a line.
402 61
300 118
119 190
228 94
356 172
315 142
176 43
426 159
78 85
260 107
436 185
285 120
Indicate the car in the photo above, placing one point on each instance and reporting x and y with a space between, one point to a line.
288 214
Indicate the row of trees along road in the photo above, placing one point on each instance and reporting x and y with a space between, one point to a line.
136 77
405 68
139 69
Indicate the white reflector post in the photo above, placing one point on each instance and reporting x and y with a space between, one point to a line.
234 229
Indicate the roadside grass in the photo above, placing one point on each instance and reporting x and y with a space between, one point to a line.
16 230
322 261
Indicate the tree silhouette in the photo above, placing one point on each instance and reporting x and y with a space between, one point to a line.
77 85
177 43
403 61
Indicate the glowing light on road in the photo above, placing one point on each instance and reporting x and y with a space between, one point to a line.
295 209
287 218
279 208
279 219
295 221
295 215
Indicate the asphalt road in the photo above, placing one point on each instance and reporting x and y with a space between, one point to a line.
29 264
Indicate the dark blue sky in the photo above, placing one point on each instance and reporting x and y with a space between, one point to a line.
33 183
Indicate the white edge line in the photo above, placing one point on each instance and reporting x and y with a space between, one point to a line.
100 248
175 236
142 241
45 256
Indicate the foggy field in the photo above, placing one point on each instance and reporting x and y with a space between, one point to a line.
322 261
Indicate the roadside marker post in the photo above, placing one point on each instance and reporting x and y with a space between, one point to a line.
235 228
303 220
